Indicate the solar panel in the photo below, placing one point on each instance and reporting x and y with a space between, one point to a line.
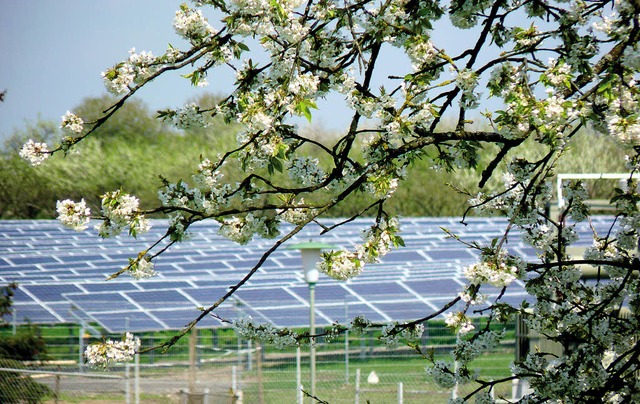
58 268
122 322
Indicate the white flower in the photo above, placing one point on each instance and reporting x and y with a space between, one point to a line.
104 354
73 214
188 117
458 321
340 265
121 210
142 268
72 123
35 153
191 25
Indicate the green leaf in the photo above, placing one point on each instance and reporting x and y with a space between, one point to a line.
303 108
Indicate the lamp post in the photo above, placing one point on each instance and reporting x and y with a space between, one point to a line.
310 256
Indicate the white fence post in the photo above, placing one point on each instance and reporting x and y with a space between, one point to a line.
357 401
136 388
400 393
298 376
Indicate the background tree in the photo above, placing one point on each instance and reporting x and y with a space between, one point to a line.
543 70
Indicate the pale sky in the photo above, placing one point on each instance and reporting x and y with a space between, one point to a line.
54 50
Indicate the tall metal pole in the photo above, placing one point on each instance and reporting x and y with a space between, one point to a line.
312 331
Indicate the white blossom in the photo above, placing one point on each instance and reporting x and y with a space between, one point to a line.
104 354
72 214
458 321
34 152
142 268
72 123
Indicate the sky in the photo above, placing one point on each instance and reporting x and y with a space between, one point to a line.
53 52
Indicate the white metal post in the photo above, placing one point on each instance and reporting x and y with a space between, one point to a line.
346 342
312 331
136 388
298 376
357 401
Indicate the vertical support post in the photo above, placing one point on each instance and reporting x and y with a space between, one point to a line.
298 376
192 360
127 367
456 366
312 332
259 373
14 321
136 386
346 342
56 393
400 393
80 347
357 401
127 382
234 379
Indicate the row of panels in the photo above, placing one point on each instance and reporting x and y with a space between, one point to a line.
62 273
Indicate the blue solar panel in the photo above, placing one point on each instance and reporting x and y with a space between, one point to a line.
122 322
445 255
51 293
48 260
108 286
159 299
290 317
266 297
435 287
101 302
403 256
32 313
80 258
207 295
326 293
381 291
34 259
150 284
179 318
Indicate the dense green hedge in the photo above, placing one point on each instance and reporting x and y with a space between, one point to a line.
133 149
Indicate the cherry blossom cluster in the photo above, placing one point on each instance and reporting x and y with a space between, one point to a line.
135 70
75 215
72 123
191 25
459 322
378 241
141 268
248 329
35 152
120 210
497 270
108 353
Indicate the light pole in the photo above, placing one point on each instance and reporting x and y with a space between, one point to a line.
310 256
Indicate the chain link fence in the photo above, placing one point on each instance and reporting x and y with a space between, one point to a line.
214 366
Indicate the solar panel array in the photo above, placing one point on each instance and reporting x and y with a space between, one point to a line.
61 275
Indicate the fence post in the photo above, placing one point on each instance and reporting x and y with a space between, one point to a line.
192 360
400 393
56 393
136 386
357 386
298 376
